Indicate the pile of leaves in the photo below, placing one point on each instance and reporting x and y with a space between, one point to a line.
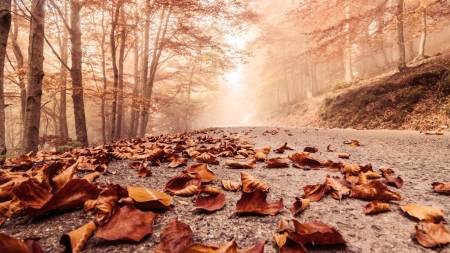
48 183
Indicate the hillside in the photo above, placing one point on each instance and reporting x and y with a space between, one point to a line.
416 99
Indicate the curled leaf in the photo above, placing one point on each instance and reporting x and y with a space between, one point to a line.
276 163
241 165
207 158
202 172
344 155
103 206
374 190
149 199
76 240
250 183
315 192
430 235
353 169
299 205
176 237
372 175
189 190
427 213
316 233
91 177
179 183
255 202
10 244
337 190
377 207
362 178
439 187
230 185
208 190
210 203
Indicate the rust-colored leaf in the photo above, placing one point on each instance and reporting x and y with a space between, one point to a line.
210 203
351 179
377 207
390 179
208 190
427 213
72 195
179 183
311 149
291 246
241 165
207 158
282 148
10 244
178 161
353 169
144 172
336 166
260 156
283 225
127 224
189 190
299 205
250 183
329 149
230 185
149 199
362 178
27 198
91 177
374 190
103 206
255 202
201 172
302 160
315 192
337 190
64 176
75 240
443 188
430 235
344 155
372 175
276 163
316 233
354 143
176 237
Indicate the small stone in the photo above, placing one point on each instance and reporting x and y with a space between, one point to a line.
376 227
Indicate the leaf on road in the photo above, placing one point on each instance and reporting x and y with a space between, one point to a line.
443 188
75 240
91 177
230 185
10 244
430 235
149 199
376 206
144 172
241 165
250 183
374 190
206 158
27 198
181 182
189 190
299 205
103 206
388 176
230 247
316 233
344 155
127 224
337 190
276 163
176 237
255 202
362 178
302 160
209 203
353 169
64 176
201 172
315 192
427 213
311 149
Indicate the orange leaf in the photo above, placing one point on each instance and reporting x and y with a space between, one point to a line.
91 177
337 189
76 240
206 158
241 165
103 206
210 203
427 213
202 172
250 183
230 185
299 205
176 237
148 199
441 187
316 233
27 198
315 192
255 202
377 207
10 244
179 183
144 172
127 224
430 235
276 163
374 190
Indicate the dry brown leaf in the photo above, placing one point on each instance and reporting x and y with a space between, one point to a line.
149 199
27 198
280 238
344 155
260 156
276 163
255 202
91 177
298 206
64 176
241 165
336 166
362 178
337 190
230 247
353 169
250 183
375 190
430 235
283 225
210 203
75 240
127 224
202 172
329 149
189 190
181 182
209 190
230 185
427 213
206 158
377 207
176 237
316 233
10 244
351 179
315 192
372 175
443 188
103 206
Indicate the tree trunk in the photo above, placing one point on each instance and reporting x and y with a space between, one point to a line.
400 38
157 50
134 117
348 49
20 72
112 40
286 82
423 35
121 60
63 128
76 73
144 78
35 74
102 107
5 26
411 50
186 118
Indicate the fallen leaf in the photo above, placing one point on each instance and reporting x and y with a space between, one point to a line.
189 190
72 195
351 179
260 156
353 169
230 247
283 225
430 235
330 149
250 183
241 165
202 172
387 174
302 160
176 237
443 188
255 202
315 192
427 213
374 190
344 155
311 149
276 163
372 175
149 199
27 198
206 158
298 206
336 166
208 190
91 177
337 190
178 161
10 244
75 240
64 176
103 206
209 203
144 172
376 207
316 233
230 185
181 182
362 178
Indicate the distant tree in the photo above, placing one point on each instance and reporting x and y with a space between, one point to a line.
5 25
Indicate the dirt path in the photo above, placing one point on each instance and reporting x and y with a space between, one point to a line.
418 159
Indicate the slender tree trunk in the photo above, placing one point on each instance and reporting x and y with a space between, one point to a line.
21 72
401 40
63 128
186 117
286 82
144 79
5 26
348 49
112 40
77 74
294 85
35 75
134 117
411 50
102 108
423 35
120 91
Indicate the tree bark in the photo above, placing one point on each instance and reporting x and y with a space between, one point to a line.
286 82
423 35
186 118
112 40
5 26
400 38
63 128
134 116
145 67
121 60
35 74
102 107
348 49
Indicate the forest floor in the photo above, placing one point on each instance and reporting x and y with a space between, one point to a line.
418 159
415 99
